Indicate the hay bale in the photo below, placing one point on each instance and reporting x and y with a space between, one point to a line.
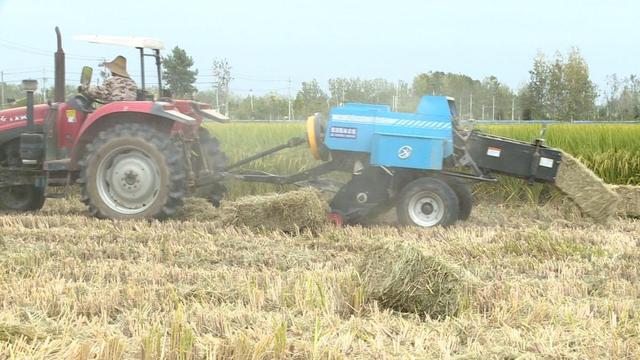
404 279
629 200
289 212
586 189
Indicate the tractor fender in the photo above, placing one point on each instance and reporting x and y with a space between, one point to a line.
159 114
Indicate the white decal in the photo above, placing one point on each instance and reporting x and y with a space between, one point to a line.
494 152
546 162
404 152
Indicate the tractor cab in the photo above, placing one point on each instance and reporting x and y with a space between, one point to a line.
140 43
147 47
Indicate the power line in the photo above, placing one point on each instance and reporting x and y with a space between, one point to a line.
37 51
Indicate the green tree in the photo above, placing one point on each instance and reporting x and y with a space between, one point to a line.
472 96
343 90
559 89
533 97
178 76
580 91
622 98
555 96
310 99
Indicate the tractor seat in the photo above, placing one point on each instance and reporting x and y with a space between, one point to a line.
142 95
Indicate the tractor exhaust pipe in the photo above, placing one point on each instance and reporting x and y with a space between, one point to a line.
30 86
58 94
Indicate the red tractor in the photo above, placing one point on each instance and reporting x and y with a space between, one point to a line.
132 159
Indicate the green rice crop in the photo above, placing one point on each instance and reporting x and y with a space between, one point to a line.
239 140
612 151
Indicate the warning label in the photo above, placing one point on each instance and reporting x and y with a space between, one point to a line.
494 151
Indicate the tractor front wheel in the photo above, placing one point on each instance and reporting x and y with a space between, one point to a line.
132 171
21 198
427 202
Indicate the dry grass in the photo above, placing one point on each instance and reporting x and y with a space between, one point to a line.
550 285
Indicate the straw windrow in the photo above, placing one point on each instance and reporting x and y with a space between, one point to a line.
586 189
629 200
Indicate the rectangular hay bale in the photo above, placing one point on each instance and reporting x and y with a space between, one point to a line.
290 211
586 189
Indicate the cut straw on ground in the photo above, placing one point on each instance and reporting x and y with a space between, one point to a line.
629 200
586 189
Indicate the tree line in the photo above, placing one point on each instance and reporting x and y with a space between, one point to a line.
559 88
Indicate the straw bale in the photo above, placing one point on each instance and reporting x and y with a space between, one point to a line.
289 212
586 189
404 279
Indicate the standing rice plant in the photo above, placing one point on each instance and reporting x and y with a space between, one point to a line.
612 151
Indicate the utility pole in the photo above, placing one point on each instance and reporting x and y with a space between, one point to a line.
289 97
251 101
471 106
1 89
482 112
395 108
217 99
226 99
513 108
493 108
44 86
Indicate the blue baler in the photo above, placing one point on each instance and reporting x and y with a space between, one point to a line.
421 163
420 140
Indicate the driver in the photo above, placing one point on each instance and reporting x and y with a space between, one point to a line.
117 87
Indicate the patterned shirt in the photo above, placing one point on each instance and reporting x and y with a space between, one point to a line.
115 88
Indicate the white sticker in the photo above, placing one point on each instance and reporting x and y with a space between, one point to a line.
495 152
546 162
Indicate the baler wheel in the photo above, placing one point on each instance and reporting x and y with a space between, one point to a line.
465 197
427 202
132 171
21 198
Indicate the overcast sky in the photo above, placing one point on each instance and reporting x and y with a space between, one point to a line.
267 42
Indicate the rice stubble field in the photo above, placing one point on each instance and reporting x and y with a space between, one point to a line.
517 280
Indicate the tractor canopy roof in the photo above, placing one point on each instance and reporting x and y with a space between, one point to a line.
128 41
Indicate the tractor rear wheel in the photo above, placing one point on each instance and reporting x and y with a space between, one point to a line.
216 161
427 202
132 171
21 198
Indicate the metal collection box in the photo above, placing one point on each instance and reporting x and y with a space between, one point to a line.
515 158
